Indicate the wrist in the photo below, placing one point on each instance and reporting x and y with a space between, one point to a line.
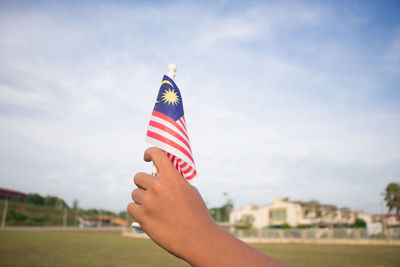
202 243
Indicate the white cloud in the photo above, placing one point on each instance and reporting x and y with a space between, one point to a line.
275 104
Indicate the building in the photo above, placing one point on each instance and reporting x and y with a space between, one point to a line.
279 212
392 220
100 221
246 215
12 194
282 212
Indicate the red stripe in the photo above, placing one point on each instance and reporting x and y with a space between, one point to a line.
171 132
165 117
173 160
192 176
181 164
184 165
169 142
176 163
182 121
187 170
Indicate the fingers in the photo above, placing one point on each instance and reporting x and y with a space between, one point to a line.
159 158
134 210
138 196
143 180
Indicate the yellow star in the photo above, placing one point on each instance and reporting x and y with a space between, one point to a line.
170 97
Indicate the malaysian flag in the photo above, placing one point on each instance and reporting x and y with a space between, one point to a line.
167 128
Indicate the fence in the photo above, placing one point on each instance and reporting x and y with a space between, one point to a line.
314 235
320 235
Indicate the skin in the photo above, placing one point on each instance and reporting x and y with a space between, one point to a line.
173 214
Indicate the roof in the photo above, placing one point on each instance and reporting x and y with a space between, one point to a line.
11 191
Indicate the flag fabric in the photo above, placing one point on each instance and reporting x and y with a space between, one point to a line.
167 128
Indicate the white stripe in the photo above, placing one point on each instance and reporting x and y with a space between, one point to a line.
182 121
187 166
180 163
170 149
169 125
170 137
179 122
190 173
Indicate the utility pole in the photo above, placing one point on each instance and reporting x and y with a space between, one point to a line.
3 219
100 221
383 219
65 217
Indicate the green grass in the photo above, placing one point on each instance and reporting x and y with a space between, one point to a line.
297 255
19 248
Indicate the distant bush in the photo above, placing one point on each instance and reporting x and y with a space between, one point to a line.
33 213
18 218
98 212
16 199
31 222
35 198
285 226
56 220
303 226
244 227
282 226
38 218
360 223
13 215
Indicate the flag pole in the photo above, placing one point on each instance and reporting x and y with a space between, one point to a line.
171 70
171 74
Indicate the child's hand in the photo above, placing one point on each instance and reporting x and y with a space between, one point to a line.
168 208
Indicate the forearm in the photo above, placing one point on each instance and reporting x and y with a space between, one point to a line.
216 247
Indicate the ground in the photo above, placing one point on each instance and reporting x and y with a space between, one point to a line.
98 248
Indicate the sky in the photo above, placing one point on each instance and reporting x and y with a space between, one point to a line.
297 99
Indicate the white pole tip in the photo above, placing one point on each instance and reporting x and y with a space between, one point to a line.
171 71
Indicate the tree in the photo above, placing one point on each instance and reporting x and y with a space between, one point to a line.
75 204
51 201
392 197
55 202
360 223
75 207
35 198
222 213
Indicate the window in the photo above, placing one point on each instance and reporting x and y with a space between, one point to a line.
277 214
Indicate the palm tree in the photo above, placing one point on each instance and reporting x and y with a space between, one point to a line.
392 197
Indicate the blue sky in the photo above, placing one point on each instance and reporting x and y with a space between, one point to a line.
283 99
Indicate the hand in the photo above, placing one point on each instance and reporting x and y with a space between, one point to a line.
173 214
168 208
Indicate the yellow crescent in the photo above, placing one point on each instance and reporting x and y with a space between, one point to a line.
165 81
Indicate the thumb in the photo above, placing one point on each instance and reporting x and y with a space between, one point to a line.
159 159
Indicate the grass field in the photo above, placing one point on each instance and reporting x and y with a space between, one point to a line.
18 248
